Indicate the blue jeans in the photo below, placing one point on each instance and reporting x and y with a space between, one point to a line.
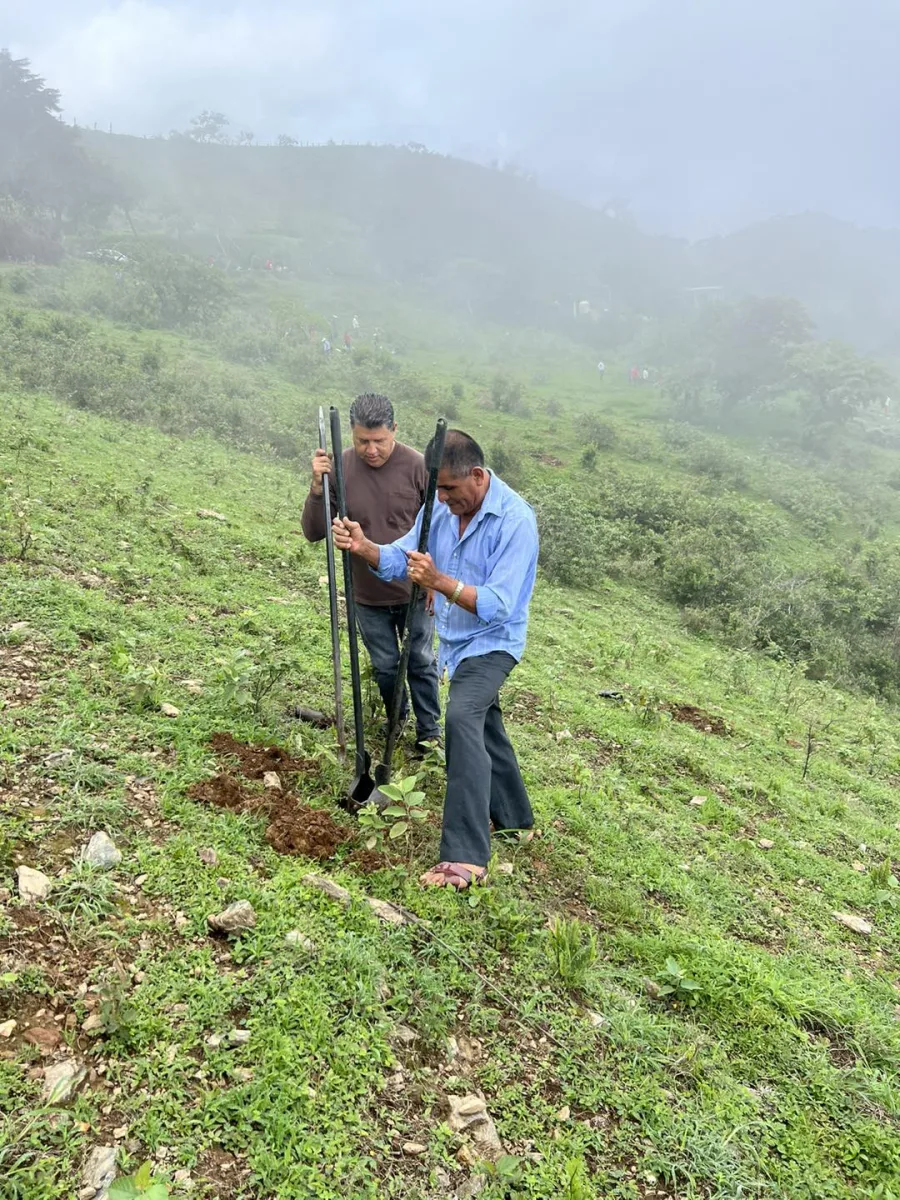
382 630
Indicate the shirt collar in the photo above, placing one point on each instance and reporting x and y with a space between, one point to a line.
493 499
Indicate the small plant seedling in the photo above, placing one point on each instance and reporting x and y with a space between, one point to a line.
886 884
140 1186
675 985
573 950
394 823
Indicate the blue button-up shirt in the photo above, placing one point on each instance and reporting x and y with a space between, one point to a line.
497 555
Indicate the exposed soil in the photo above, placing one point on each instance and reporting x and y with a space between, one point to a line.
310 832
367 862
255 761
224 791
601 752
687 714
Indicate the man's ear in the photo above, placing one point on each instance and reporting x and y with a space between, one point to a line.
480 474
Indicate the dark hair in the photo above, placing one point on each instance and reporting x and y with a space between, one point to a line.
372 411
461 454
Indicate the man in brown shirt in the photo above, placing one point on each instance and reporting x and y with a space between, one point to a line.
385 483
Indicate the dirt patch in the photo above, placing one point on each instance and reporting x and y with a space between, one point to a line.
310 832
255 761
598 752
549 460
224 791
687 714
367 862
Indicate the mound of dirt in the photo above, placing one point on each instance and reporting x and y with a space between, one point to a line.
224 791
255 761
687 714
310 832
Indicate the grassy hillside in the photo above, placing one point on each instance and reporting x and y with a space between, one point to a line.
654 999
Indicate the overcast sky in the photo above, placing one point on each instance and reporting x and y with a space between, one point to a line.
703 114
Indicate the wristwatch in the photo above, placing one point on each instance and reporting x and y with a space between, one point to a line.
457 592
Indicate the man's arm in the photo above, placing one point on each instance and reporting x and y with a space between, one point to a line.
388 562
312 520
492 600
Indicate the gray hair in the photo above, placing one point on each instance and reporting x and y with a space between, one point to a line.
461 454
372 411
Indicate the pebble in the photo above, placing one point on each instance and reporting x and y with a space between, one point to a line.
99 1171
62 1080
698 801
295 938
93 1024
851 921
58 757
385 911
238 1037
208 856
7 1028
234 919
469 1114
101 852
272 781
766 844
334 890
414 1148
33 885
169 710
45 1039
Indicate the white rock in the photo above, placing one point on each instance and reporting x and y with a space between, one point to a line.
300 941
169 710
272 781
58 757
238 1037
385 911
698 801
234 919
857 924
414 1148
208 856
62 1080
329 887
7 1029
209 514
596 1019
766 844
101 851
33 885
92 1024
99 1170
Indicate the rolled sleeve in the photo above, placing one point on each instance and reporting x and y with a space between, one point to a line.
513 561
392 558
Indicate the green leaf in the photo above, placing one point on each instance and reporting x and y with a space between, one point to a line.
122 1189
371 843
398 830
144 1176
415 797
418 814
158 1191
393 811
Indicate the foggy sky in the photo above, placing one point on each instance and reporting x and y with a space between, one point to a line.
702 114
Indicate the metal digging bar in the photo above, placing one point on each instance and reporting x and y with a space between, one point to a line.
362 788
384 768
333 602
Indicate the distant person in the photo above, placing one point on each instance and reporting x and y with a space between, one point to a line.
385 483
269 264
645 375
481 565
326 346
601 369
634 375
355 324
347 343
887 406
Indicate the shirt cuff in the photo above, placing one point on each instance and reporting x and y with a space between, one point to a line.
391 564
487 604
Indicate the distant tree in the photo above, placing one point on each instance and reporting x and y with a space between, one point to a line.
285 139
208 127
43 166
245 138
836 383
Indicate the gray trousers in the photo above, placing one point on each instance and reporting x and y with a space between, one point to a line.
484 783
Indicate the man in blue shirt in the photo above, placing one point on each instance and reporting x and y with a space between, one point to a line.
480 567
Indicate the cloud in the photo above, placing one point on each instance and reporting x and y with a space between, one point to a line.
702 113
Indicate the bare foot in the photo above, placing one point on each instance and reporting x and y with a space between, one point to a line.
454 875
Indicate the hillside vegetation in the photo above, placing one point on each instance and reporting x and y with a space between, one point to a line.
685 987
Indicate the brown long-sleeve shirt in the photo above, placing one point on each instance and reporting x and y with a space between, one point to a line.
386 501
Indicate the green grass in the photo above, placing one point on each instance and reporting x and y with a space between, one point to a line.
774 1076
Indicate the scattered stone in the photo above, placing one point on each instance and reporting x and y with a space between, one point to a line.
385 911
272 781
90 580
329 887
469 1114
860 867
208 856
194 686
58 757
414 1148
766 844
102 852
215 1040
234 919
182 1175
299 940
93 1025
651 988
33 885
596 1019
243 1074
405 1035
564 1113
62 1080
505 868
462 1051
466 1155
7 1029
238 1037
169 710
471 1187
99 1172
45 1039
121 1132
698 801
857 924
208 514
